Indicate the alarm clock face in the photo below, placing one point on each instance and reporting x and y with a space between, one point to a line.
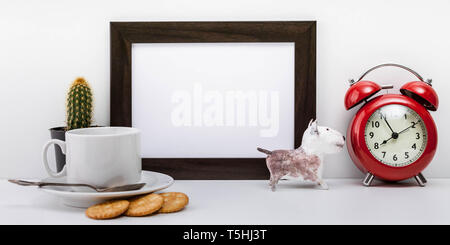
395 135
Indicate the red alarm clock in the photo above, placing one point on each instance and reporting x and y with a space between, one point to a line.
392 136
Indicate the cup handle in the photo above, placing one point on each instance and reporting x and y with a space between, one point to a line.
62 145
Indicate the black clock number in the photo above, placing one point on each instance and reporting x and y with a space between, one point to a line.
375 124
394 157
414 146
406 155
371 134
375 145
384 153
413 125
417 136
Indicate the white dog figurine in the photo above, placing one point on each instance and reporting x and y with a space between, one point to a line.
307 160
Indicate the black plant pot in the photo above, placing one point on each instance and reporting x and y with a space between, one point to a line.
60 134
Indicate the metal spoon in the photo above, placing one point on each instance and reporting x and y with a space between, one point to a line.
97 189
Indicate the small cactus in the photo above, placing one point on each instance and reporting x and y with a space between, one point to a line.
79 105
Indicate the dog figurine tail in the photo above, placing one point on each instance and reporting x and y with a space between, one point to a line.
264 151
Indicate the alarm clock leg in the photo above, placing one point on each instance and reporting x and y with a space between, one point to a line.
368 179
420 179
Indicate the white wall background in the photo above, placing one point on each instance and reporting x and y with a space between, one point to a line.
45 44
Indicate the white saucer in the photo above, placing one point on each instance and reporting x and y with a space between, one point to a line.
85 197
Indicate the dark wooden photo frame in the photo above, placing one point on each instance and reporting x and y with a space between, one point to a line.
124 34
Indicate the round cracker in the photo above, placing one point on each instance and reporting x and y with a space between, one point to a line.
107 210
173 202
144 205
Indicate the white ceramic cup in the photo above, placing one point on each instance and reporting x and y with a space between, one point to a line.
100 156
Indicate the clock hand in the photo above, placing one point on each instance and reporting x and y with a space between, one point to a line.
385 141
393 136
414 124
384 117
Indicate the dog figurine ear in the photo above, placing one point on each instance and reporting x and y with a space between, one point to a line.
313 127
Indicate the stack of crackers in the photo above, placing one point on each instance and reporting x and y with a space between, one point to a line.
168 202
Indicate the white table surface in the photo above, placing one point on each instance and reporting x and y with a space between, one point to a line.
251 202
